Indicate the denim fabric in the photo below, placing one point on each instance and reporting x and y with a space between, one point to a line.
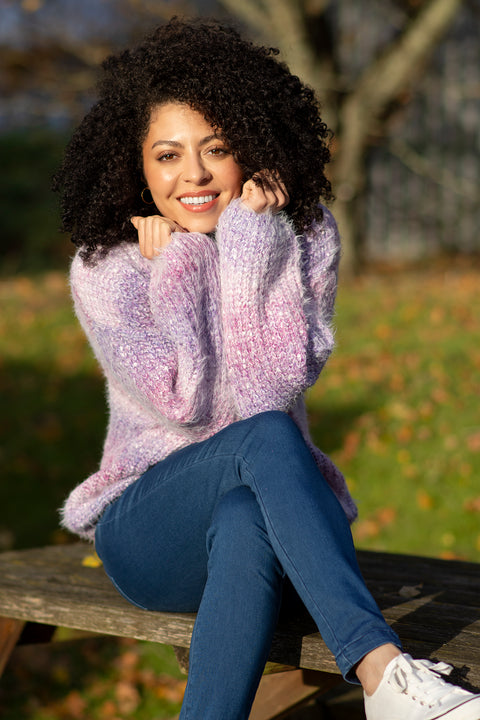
216 528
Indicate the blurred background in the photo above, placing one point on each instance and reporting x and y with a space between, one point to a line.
397 405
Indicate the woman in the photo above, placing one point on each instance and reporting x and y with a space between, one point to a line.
206 151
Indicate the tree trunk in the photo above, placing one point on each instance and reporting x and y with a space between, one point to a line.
284 23
359 115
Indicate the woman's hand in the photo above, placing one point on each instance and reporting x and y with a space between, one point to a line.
265 191
154 233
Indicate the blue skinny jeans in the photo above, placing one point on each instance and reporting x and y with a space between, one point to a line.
217 527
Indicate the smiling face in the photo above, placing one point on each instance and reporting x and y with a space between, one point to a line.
189 169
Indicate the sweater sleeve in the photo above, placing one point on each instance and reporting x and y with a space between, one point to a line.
277 293
149 325
320 260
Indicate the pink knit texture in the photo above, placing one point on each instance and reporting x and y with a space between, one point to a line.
210 332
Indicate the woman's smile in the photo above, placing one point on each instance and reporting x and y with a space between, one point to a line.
199 202
190 170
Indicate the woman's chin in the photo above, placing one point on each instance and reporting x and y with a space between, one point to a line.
200 225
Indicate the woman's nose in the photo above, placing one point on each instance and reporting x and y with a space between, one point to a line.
195 170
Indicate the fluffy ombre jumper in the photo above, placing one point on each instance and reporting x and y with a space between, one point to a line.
210 332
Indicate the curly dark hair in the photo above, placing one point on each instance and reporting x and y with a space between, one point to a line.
268 117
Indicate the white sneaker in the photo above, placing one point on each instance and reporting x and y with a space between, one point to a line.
414 690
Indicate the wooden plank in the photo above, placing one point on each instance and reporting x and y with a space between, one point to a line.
10 631
52 586
285 691
183 659
433 605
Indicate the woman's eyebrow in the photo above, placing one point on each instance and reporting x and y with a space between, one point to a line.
175 143
209 138
170 143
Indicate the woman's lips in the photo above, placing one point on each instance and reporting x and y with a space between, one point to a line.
198 203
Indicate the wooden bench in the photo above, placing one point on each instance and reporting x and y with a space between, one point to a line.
434 605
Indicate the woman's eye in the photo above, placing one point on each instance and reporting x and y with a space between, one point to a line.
166 156
218 151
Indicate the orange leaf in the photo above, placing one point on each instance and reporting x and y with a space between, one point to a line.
473 442
472 505
424 500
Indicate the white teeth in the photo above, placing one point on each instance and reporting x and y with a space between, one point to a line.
198 200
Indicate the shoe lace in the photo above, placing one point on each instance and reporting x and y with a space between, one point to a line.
422 680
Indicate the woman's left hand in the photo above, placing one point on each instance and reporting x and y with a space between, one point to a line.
265 191
154 233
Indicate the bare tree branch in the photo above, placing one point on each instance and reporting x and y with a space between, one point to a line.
438 174
283 24
385 78
315 7
393 71
250 12
378 87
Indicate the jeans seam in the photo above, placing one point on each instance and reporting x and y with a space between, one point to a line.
267 516
172 476
125 595
342 651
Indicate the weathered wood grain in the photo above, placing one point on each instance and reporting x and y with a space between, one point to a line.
51 586
434 605
289 690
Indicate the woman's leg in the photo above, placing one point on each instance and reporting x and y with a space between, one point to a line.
238 613
311 537
189 536
171 530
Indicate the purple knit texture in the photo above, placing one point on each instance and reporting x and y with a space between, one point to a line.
210 332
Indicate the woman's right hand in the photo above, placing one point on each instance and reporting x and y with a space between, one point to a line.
154 233
265 191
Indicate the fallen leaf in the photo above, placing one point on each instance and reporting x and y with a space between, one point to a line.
473 442
366 529
472 505
74 705
92 561
410 591
424 500
127 696
386 516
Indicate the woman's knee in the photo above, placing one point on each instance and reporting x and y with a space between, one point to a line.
275 427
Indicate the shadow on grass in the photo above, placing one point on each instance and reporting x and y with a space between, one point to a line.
52 428
329 425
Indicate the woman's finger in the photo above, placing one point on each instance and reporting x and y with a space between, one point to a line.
253 196
265 191
282 193
276 186
149 243
154 234
139 225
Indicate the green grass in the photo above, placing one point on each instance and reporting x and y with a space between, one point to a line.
396 407
29 213
53 410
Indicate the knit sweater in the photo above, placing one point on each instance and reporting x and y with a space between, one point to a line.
212 331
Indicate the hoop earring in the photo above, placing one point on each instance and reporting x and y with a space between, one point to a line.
147 202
